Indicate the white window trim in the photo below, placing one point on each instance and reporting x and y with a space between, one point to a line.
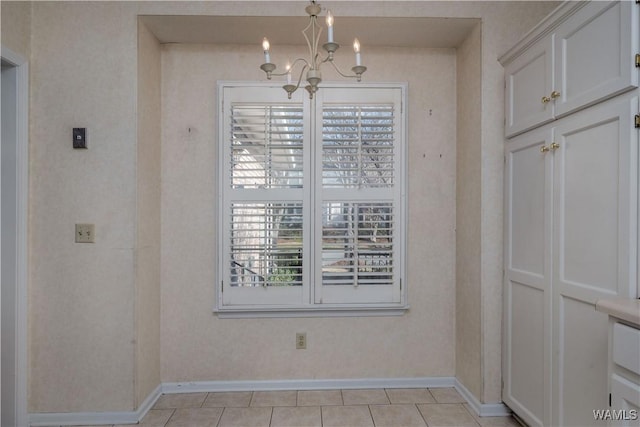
311 309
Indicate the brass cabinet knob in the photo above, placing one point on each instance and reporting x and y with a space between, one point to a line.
554 146
555 94
545 99
544 149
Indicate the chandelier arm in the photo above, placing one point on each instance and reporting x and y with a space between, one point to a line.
279 74
306 65
292 65
328 58
350 76
291 88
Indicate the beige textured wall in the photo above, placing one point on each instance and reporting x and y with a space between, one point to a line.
147 376
468 203
84 314
417 344
81 296
16 26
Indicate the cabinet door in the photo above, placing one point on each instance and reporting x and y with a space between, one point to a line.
595 55
625 401
528 79
594 245
528 277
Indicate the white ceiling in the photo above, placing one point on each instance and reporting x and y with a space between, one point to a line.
371 31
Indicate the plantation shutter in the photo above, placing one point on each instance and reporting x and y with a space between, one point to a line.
359 203
311 200
264 207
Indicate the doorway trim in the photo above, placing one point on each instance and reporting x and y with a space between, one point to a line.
22 184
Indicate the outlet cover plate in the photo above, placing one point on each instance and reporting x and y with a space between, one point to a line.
301 340
85 233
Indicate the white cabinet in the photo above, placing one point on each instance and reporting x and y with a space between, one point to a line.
527 293
571 208
624 371
594 240
528 86
625 398
585 56
624 361
570 215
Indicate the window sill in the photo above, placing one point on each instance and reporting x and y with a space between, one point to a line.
332 311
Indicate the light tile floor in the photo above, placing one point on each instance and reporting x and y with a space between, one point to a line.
438 407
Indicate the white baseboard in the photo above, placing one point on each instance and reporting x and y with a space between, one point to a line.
149 402
96 418
217 386
482 409
132 417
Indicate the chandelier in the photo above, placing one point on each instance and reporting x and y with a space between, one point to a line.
312 66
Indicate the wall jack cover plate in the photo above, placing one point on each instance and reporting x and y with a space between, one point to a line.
79 137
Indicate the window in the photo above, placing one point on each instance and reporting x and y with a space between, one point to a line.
311 200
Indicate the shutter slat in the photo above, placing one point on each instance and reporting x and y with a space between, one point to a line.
267 146
358 146
357 243
266 244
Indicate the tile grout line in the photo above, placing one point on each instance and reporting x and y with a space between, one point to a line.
170 416
421 414
431 394
472 415
224 408
371 415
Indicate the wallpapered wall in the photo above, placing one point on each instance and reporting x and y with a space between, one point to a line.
94 311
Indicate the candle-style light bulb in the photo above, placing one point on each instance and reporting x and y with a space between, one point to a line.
265 47
356 49
329 27
288 68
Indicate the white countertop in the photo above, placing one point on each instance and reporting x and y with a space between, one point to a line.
627 309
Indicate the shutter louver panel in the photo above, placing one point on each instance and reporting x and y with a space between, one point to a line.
267 143
357 243
358 146
266 244
311 202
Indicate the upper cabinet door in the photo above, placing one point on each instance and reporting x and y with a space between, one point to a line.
529 82
587 56
595 55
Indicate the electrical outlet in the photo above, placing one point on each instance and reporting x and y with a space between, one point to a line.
301 340
85 233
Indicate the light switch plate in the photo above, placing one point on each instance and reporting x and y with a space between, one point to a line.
85 233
